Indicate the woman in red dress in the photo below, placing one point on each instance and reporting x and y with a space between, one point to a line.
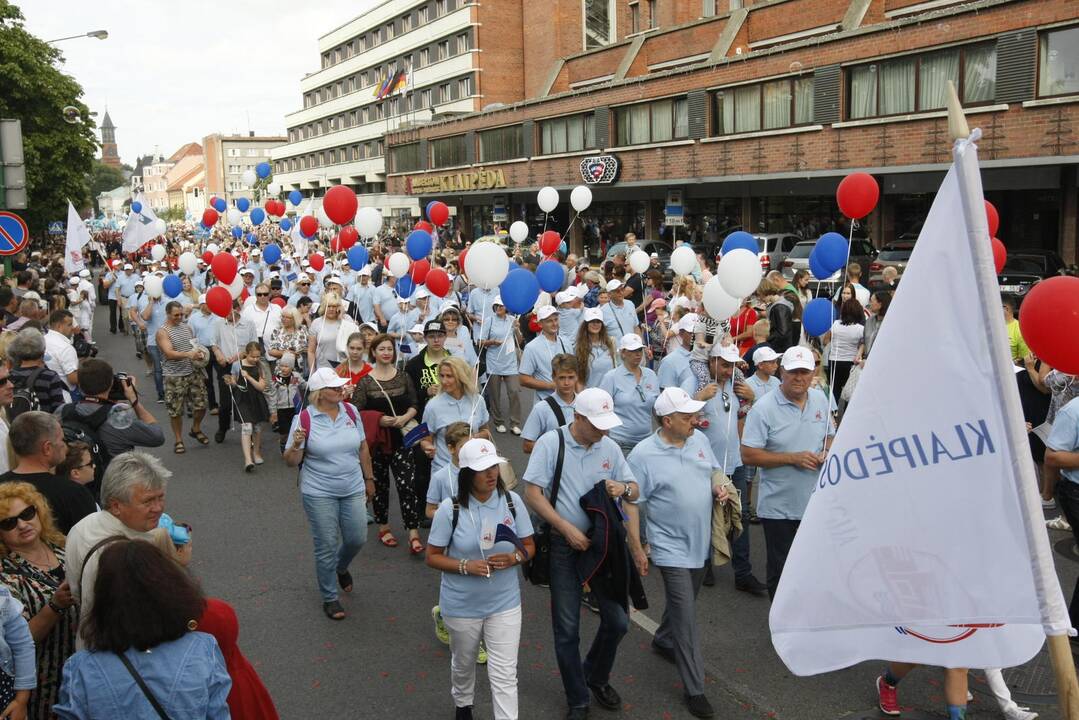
248 699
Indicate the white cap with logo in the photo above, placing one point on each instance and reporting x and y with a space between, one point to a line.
798 358
597 405
726 352
591 314
479 454
676 400
325 378
631 341
764 354
546 311
614 285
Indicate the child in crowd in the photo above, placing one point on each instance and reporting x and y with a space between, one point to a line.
761 328
286 394
248 387
79 463
444 485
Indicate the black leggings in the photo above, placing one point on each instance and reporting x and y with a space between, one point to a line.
400 464
842 369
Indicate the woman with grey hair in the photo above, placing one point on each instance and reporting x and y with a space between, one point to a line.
27 353
289 337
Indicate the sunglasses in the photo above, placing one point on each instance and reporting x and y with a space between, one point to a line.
258 294
26 516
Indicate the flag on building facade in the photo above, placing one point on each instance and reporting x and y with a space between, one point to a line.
78 235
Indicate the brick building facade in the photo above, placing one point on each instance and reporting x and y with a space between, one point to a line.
756 112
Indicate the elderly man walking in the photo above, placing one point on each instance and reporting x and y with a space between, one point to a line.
183 384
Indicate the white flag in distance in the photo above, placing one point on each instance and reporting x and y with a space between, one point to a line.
913 547
141 227
78 235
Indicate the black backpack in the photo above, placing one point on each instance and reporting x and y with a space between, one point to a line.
25 398
86 428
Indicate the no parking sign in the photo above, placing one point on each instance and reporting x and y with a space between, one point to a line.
14 235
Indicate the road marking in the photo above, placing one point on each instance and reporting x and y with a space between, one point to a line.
644 622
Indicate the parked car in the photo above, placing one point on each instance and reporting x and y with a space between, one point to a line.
773 248
861 252
894 254
1048 262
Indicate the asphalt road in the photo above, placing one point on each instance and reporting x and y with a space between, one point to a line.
252 548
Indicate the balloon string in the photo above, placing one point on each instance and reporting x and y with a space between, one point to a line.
479 393
569 227
831 366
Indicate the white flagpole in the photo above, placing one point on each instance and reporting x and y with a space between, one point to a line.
1054 614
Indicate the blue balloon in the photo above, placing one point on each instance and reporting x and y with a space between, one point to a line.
550 275
831 251
519 291
818 316
252 239
357 257
419 244
263 170
257 216
237 232
285 224
220 205
295 197
242 204
513 266
405 286
172 286
817 268
740 240
563 248
272 253
136 207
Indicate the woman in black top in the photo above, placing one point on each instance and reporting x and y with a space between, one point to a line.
388 390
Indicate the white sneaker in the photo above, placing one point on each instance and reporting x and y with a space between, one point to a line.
515 430
1020 713
500 428
1049 504
1058 523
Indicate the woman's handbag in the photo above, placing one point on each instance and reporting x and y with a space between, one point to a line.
144 687
538 570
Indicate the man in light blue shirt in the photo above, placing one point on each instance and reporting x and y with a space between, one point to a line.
674 371
153 312
787 435
1062 453
361 297
540 351
542 417
479 304
385 302
204 324
303 289
589 457
619 316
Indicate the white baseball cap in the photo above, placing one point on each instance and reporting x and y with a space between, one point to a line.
596 405
128 266
371 325
686 324
497 300
591 314
421 292
546 311
798 358
417 328
564 297
479 454
365 270
764 354
84 273
325 378
676 400
256 251
303 278
726 352
580 290
335 279
614 285
631 341
247 271
73 280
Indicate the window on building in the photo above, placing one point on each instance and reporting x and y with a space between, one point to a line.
423 15
765 106
234 152
634 17
443 49
406 158
448 152
658 121
462 43
444 93
406 23
708 9
567 134
379 149
425 98
599 18
425 57
464 87
649 13
325 60
919 83
1058 62
505 143
440 8
390 31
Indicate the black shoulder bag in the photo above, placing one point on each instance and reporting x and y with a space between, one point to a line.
538 570
144 687
559 416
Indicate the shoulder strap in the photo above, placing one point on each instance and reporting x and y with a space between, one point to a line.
144 687
453 522
559 461
351 412
509 501
100 544
33 376
556 409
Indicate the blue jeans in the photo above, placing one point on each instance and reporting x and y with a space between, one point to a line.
339 529
566 623
159 382
741 478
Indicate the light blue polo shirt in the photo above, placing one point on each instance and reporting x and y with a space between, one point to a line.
470 596
479 302
537 356
582 468
541 419
443 485
157 319
634 411
331 465
204 327
676 487
761 388
777 425
442 411
126 283
363 296
599 364
386 299
620 321
1065 435
722 430
569 321
674 371
501 359
114 288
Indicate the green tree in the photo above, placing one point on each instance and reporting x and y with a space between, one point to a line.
102 179
174 213
33 89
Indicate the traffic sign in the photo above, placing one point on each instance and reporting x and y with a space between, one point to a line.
14 235
56 228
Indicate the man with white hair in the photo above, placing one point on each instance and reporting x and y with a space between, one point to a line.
619 316
535 369
263 315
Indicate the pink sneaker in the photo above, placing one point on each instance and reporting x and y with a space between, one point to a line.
887 698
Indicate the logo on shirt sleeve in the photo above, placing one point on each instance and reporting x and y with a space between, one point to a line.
606 464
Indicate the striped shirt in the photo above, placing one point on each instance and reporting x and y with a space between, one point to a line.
181 337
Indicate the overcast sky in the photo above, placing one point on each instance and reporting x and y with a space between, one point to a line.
173 72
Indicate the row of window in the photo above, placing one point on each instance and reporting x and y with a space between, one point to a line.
332 156
248 152
374 37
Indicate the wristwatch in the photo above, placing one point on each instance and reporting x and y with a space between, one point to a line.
517 558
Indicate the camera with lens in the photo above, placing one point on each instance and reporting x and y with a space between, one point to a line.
119 381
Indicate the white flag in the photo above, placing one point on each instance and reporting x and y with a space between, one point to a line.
77 237
141 228
299 242
913 547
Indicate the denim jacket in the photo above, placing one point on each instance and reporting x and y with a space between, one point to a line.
17 657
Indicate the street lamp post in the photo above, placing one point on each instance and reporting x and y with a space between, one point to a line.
99 34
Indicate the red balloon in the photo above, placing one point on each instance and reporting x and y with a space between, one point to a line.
549 242
317 262
213 199
340 204
308 225
244 295
419 271
270 206
438 213
533 324
335 243
993 217
279 302
209 217
857 195
438 282
461 260
425 226
1049 322
1000 255
224 266
219 301
348 235
207 257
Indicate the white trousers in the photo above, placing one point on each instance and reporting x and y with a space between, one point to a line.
502 635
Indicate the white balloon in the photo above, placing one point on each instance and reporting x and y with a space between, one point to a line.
157 252
639 260
518 232
249 178
214 248
323 218
274 188
236 286
368 222
399 263
486 265
160 227
739 272
683 260
189 264
234 216
581 198
547 199
153 286
719 304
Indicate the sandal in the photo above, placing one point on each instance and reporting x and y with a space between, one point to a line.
345 581
333 610
179 448
415 546
200 436
386 538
